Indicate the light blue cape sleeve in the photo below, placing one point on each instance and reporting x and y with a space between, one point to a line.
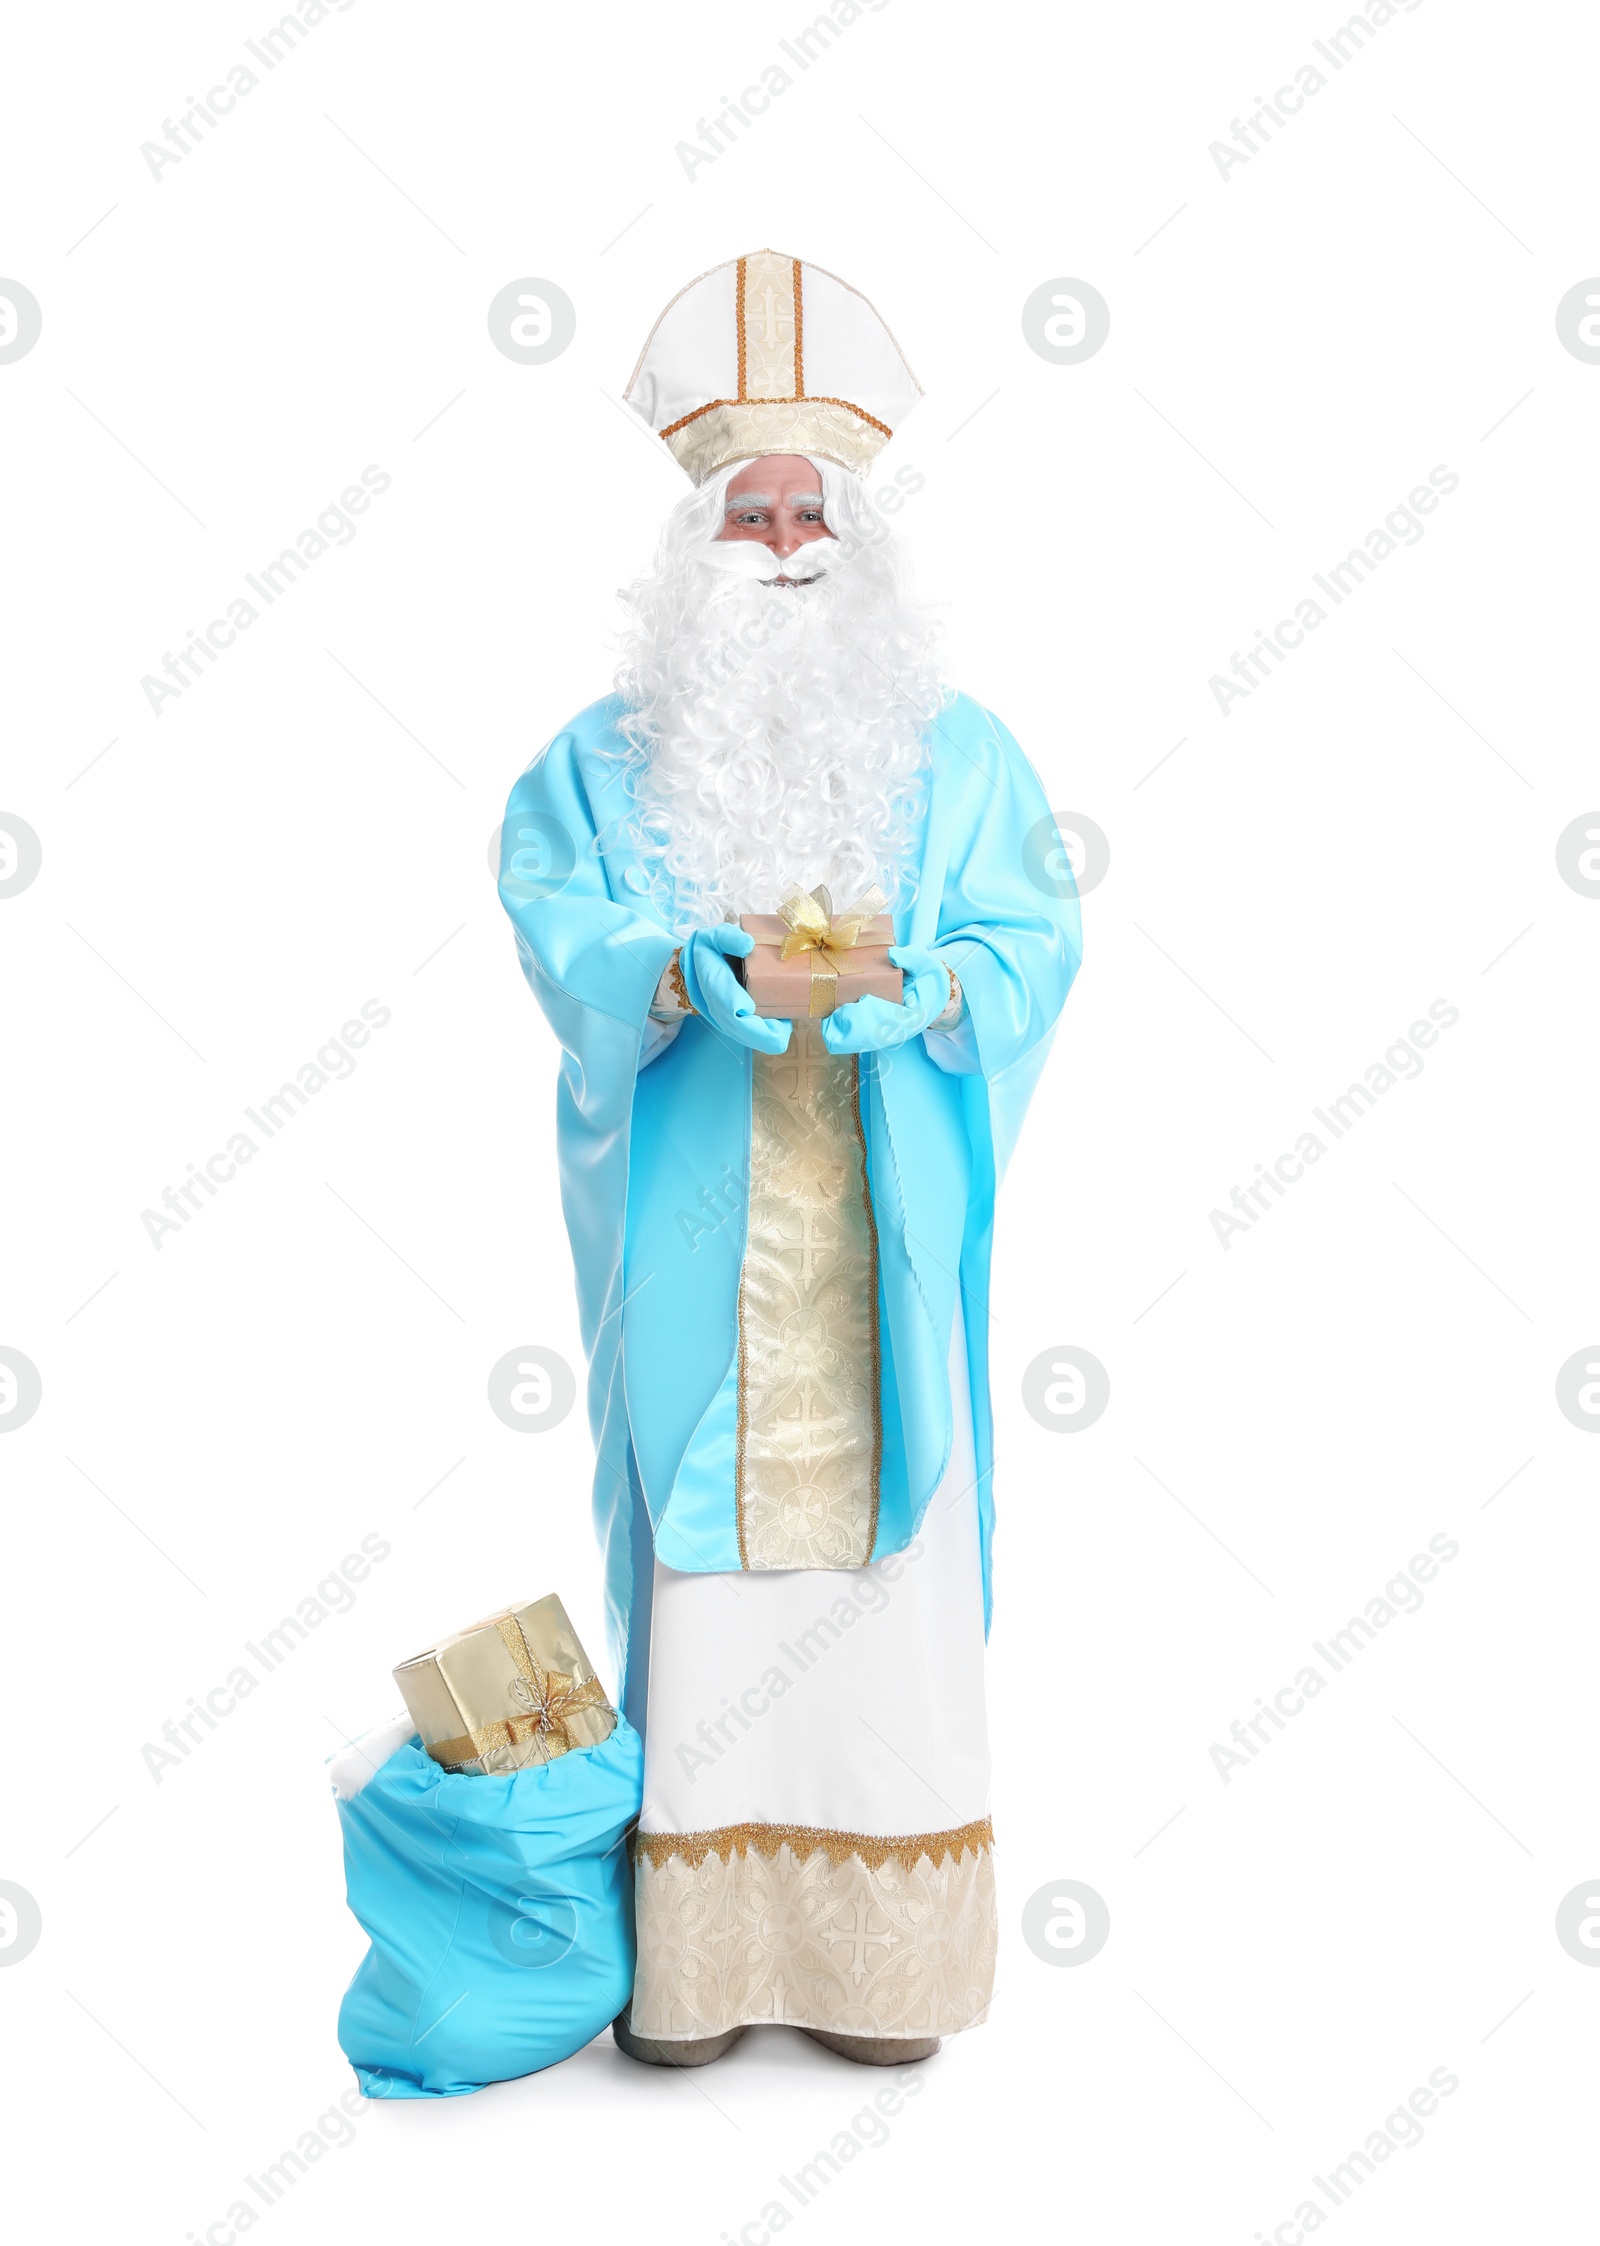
593 961
998 903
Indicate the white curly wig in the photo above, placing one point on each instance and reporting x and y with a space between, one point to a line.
775 733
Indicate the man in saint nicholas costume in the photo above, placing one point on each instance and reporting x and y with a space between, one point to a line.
782 1229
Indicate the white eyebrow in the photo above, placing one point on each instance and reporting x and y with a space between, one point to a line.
764 499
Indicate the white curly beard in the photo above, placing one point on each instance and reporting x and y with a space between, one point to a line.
775 733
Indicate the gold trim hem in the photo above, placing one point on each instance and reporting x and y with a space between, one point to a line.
794 1940
804 1841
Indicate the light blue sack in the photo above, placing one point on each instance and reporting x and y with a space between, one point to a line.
500 1913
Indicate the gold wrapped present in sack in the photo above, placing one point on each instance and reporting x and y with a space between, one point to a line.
809 959
512 1690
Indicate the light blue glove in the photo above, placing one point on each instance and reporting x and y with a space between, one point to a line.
716 991
873 1025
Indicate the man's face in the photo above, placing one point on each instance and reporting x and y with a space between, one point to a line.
776 502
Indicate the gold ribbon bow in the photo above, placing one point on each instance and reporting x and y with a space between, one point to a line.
549 1696
828 936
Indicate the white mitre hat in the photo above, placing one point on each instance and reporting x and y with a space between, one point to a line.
766 354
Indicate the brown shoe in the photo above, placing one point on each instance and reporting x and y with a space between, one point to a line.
876 2050
699 2052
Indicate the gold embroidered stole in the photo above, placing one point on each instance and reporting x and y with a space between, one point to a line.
810 1433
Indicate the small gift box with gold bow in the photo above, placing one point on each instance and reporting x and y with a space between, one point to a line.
809 959
514 1689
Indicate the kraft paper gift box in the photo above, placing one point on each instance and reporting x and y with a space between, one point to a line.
808 959
512 1690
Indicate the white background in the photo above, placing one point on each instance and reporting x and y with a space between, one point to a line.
1292 349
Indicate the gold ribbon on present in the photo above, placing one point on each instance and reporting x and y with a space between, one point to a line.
550 1697
828 936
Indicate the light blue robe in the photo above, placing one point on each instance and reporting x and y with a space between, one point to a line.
655 1158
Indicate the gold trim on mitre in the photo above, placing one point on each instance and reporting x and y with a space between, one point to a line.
771 410
823 428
